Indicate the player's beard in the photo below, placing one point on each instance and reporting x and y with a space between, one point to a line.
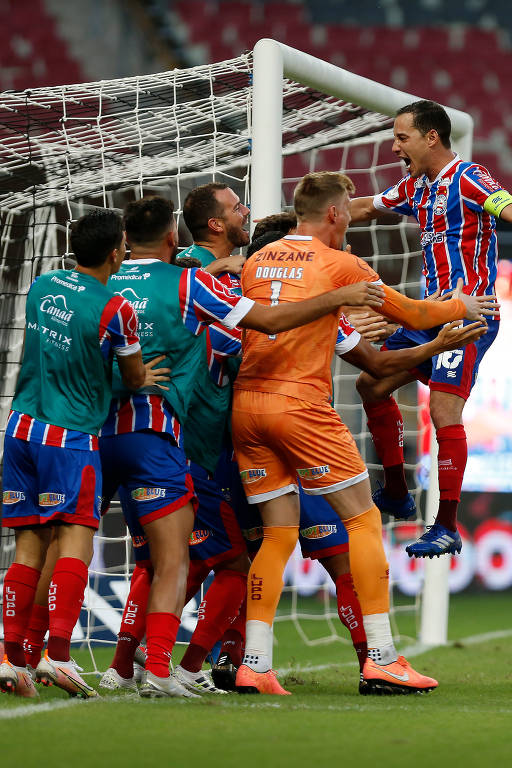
237 236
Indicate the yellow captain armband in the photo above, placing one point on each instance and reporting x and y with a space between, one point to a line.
496 202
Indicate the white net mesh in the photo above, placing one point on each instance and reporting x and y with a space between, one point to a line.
393 250
65 149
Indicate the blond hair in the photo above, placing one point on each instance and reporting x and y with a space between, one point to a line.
316 191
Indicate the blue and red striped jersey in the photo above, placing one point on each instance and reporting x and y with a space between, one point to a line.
204 303
458 236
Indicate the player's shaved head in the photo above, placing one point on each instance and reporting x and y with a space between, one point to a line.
315 192
200 206
148 220
427 116
95 235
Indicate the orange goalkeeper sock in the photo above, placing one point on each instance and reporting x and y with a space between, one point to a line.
265 581
368 564
263 592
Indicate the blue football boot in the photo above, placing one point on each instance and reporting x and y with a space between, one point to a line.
437 540
402 509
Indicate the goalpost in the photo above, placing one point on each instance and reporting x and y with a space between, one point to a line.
65 149
274 61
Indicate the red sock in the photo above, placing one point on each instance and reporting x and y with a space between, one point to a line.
349 611
20 586
233 641
161 631
451 462
65 598
133 623
197 573
387 429
217 611
34 636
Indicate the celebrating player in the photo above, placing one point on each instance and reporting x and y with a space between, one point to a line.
52 474
283 425
140 441
456 204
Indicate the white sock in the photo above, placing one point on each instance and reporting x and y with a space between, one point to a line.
381 648
258 646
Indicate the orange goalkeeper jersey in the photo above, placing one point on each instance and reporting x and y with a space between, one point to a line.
297 363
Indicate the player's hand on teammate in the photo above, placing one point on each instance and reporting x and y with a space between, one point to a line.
233 264
370 325
361 294
455 335
156 375
477 307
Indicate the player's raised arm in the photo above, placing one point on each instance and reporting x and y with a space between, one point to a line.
427 314
363 209
284 317
382 363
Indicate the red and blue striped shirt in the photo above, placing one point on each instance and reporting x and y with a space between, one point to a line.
458 236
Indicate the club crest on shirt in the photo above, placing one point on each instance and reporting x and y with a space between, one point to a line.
440 205
314 471
147 494
318 531
197 537
248 476
51 499
12 497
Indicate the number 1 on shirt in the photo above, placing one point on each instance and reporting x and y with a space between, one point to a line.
275 287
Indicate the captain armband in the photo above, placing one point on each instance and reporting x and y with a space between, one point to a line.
496 202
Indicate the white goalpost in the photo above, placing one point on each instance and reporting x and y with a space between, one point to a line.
258 123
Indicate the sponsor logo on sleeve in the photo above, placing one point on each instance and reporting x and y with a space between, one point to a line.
147 494
197 537
13 497
318 531
393 193
487 181
248 476
311 472
51 499
139 541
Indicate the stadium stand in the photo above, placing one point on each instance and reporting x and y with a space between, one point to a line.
32 53
419 47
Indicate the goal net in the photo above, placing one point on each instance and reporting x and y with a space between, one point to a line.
66 149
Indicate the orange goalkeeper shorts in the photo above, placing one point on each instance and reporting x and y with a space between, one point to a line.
279 438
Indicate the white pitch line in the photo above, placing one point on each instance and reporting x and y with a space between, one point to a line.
411 651
35 709
51 706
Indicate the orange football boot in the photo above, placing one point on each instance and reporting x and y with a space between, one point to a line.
397 677
249 681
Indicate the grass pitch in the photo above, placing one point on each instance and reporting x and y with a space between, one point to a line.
324 723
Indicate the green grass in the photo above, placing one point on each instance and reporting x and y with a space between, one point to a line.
324 723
